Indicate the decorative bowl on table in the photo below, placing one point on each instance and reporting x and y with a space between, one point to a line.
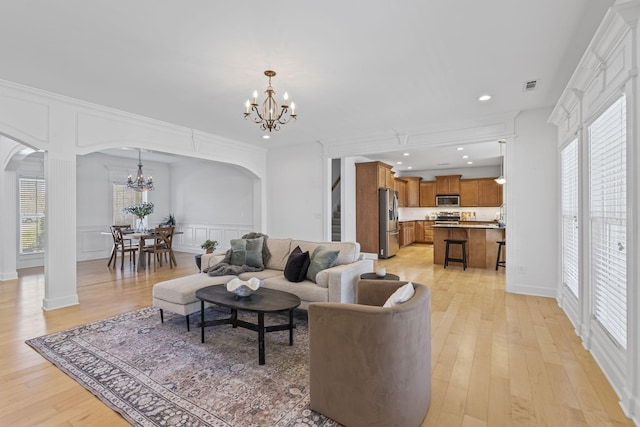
244 288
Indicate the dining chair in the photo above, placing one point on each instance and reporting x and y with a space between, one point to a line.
122 245
162 245
114 249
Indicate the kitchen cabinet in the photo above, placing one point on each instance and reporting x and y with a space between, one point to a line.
408 233
370 176
428 231
482 192
469 193
427 194
385 176
419 232
448 184
413 190
489 192
424 231
401 188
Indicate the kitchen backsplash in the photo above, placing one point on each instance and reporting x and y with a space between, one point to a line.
482 214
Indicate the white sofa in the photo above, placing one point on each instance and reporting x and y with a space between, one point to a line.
335 284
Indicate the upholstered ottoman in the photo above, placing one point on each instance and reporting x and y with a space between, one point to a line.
179 295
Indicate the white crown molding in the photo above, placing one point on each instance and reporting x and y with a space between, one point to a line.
619 21
480 129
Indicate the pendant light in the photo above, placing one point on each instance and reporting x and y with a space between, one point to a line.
140 184
270 116
501 179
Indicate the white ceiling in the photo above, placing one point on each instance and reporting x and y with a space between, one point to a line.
353 68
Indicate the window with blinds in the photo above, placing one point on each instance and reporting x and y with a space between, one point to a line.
569 194
123 197
608 208
31 192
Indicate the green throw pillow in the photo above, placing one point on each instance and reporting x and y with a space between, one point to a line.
321 259
247 252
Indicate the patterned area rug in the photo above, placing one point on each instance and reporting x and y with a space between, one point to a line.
158 374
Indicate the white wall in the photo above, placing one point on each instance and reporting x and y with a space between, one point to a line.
296 192
482 214
531 205
211 200
94 187
205 192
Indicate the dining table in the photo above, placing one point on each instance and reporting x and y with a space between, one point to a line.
142 237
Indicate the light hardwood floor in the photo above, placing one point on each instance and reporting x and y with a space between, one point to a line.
498 359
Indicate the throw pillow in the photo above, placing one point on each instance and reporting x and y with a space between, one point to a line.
266 254
297 265
321 259
247 252
402 294
238 252
254 252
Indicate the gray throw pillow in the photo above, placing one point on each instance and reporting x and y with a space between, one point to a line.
321 259
238 251
254 252
247 252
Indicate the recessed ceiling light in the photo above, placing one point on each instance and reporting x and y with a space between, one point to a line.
469 163
398 163
460 148
465 157
265 137
410 167
484 98
405 154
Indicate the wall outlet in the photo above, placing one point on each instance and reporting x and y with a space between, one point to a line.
521 269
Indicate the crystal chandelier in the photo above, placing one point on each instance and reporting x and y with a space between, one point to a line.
140 185
270 116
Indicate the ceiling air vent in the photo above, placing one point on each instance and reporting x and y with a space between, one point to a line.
530 85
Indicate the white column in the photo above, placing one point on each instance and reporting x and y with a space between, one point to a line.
8 225
60 253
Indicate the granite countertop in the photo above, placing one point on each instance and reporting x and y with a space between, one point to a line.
461 225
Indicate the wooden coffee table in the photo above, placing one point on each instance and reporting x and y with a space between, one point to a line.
262 301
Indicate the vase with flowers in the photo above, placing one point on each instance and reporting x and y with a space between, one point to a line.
140 211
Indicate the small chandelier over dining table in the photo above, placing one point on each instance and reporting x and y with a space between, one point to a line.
140 185
270 116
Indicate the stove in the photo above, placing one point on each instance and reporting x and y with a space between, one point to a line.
448 218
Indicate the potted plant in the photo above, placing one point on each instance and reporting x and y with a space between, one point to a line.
209 245
140 211
169 220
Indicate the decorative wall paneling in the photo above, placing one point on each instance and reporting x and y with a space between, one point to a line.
92 244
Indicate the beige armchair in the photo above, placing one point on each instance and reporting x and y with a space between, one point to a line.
369 365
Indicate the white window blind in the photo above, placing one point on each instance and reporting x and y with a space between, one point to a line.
570 241
608 208
31 192
123 197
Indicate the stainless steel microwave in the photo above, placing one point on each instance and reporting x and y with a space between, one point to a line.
448 200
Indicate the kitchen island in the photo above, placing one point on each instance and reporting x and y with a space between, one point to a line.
482 248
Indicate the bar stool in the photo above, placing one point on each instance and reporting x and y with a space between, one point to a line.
500 263
463 260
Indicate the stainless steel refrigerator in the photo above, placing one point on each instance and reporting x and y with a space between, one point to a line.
388 207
